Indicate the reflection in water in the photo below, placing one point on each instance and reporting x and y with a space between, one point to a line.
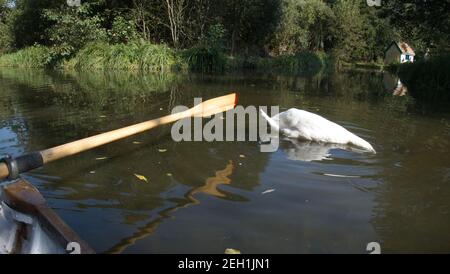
310 151
210 188
212 183
392 83
400 90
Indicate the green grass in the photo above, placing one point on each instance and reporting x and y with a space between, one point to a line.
139 55
303 63
131 56
31 57
365 65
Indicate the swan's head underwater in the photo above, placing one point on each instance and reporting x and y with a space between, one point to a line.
303 125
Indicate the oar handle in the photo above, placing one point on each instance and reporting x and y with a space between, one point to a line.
12 167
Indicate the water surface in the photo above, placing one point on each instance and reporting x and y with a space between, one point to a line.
204 197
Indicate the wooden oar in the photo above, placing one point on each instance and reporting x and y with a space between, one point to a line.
11 168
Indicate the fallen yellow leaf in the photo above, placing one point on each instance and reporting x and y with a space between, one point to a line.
141 177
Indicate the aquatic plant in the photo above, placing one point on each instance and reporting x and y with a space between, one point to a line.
204 59
304 63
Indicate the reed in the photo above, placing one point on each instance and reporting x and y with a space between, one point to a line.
31 57
136 55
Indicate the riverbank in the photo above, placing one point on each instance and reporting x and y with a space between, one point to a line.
427 80
372 66
161 58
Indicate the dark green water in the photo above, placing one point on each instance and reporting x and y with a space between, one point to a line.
205 197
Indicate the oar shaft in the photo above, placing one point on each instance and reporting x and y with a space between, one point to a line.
78 146
36 159
11 168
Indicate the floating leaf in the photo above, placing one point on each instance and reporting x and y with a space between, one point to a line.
141 177
268 191
162 150
101 158
232 251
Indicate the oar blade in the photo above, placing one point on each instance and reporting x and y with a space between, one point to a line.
215 105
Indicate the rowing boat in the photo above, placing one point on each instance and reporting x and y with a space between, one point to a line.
29 226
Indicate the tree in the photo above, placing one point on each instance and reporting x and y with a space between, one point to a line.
72 28
249 23
6 39
425 24
176 16
304 25
29 24
377 33
348 33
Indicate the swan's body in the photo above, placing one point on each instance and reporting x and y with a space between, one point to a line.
304 125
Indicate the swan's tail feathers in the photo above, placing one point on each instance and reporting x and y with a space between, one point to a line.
275 125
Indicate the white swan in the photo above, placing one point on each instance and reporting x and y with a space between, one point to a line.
304 125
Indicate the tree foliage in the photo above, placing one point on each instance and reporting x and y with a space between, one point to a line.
304 25
425 23
349 29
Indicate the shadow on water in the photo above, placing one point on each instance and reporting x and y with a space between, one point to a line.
208 196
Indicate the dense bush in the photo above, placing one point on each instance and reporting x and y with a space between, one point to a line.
122 31
6 39
205 59
305 63
72 29
428 80
208 56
